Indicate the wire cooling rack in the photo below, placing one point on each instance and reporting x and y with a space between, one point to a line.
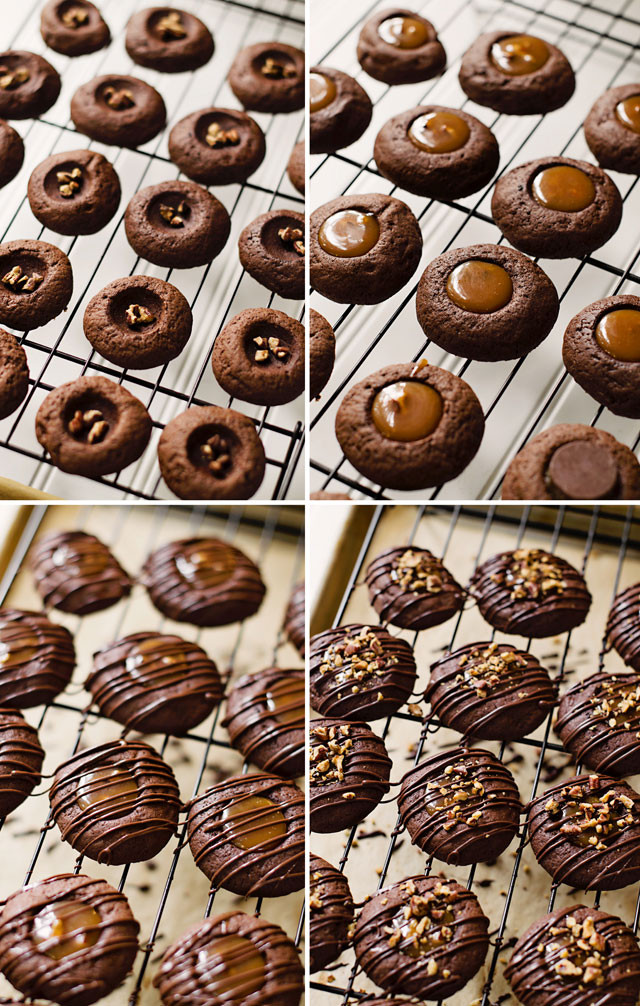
522 397
513 890
167 893
59 352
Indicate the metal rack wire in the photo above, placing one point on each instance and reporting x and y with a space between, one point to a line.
595 534
59 352
519 397
279 525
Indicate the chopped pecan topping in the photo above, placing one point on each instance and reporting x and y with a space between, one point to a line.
532 574
216 455
357 658
486 669
269 347
420 572
69 182
218 137
293 236
451 794
577 951
424 923
618 703
136 315
92 423
175 216
590 817
171 25
329 748
74 17
10 79
118 99
22 281
277 69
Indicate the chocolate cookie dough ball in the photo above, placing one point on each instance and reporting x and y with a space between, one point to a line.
612 129
21 758
622 626
349 773
265 720
168 39
490 690
529 592
203 581
68 938
247 835
322 353
38 658
259 357
11 153
294 619
515 73
460 806
14 374
117 803
332 911
154 683
119 110
410 587
217 146
577 955
399 46
73 28
230 957
585 833
29 85
36 283
360 672
599 721
423 937
76 572
340 110
268 77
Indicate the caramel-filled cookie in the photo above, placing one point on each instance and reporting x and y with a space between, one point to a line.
74 192
76 572
38 658
168 39
29 85
73 28
268 77
399 46
339 110
612 129
21 758
332 911
265 720
410 587
36 283
599 720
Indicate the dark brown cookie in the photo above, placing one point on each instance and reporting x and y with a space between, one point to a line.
296 167
36 283
68 938
265 720
247 835
423 937
271 249
203 581
120 110
74 192
258 357
410 587
231 957
73 27
76 572
14 374
585 832
599 720
364 248
217 146
21 758
332 911
516 74
294 619
460 806
574 462
322 353
399 46
209 453
556 207
11 153
29 86
490 690
530 592
360 672
349 774
486 302
576 955
601 351
168 39
117 803
438 152
268 77
93 426
410 426
612 129
38 658
138 322
622 626
176 224
340 110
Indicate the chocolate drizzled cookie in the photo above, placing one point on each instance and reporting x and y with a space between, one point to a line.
349 773
154 683
331 907
599 722
293 624
360 672
411 587
576 956
530 592
247 835
585 832
203 581
37 658
265 720
423 937
623 627
21 758
116 803
490 690
76 572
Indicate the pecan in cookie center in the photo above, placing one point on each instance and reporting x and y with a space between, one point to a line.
69 182
90 423
22 282
293 236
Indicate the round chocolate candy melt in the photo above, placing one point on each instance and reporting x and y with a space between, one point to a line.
410 587
37 658
76 572
265 720
599 721
332 911
21 758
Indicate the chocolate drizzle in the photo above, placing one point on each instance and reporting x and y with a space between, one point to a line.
76 572
155 683
116 803
599 722
623 626
331 907
247 835
265 720
37 658
490 690
411 588
21 758
360 672
294 621
203 581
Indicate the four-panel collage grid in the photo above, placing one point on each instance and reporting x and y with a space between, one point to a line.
320 503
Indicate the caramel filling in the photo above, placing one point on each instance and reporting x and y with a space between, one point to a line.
618 333
519 54
322 91
439 132
349 233
406 410
254 821
232 964
206 564
285 700
480 287
403 32
18 651
102 785
628 113
582 469
65 928
563 187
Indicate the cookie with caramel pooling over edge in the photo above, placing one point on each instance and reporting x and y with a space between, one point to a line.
265 720
38 658
36 283
21 758
332 911
271 249
203 581
74 192
14 374
622 626
339 111
119 110
268 77
76 572
73 27
294 618
29 85
399 46
599 720
217 146
410 587
258 357
612 129
11 153
168 39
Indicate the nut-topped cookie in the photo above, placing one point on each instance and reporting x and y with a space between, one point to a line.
168 39
74 192
73 27
258 357
410 587
76 572
119 110
11 153
37 658
268 77
622 626
217 146
21 758
399 46
265 720
331 907
271 248
599 722
29 85
36 283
